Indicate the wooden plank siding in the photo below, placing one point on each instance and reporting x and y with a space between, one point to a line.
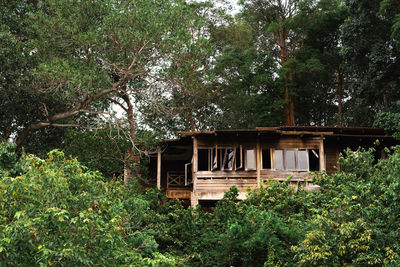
213 189
332 154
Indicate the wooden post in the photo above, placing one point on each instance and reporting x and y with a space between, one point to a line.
159 168
321 155
258 161
194 198
195 161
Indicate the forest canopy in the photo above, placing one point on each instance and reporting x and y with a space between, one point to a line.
174 65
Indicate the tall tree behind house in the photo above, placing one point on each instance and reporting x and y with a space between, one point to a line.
372 59
279 25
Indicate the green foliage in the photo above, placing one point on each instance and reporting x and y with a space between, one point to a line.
9 163
245 78
358 223
371 57
60 213
8 158
389 120
85 146
54 211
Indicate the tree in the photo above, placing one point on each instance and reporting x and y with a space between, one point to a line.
186 86
319 75
244 74
371 58
91 55
280 32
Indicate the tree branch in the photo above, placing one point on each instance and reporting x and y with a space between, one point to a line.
50 120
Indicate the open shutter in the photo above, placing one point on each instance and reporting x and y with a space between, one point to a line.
188 174
239 158
214 158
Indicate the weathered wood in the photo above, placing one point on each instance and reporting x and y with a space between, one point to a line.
322 155
258 163
283 175
195 155
194 199
332 155
218 195
221 185
226 174
175 179
264 173
210 185
305 133
180 193
159 168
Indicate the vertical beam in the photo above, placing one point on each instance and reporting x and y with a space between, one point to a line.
321 154
258 165
194 199
195 161
159 167
271 151
337 158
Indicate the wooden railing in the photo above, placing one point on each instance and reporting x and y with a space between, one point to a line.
175 179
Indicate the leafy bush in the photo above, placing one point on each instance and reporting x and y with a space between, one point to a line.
58 212
54 211
359 222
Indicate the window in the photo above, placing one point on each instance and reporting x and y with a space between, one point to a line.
188 174
278 159
225 159
239 158
236 158
302 160
203 162
292 159
214 159
266 158
229 158
313 157
250 159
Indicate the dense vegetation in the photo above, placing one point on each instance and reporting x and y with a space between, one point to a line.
104 80
54 211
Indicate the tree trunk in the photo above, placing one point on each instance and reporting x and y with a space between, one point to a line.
129 111
340 96
385 101
287 103
131 166
292 117
132 160
291 101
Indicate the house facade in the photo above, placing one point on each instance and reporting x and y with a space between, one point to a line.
202 165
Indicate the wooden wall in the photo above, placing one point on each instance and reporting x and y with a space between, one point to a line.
210 185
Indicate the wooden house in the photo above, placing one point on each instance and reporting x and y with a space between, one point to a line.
201 165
